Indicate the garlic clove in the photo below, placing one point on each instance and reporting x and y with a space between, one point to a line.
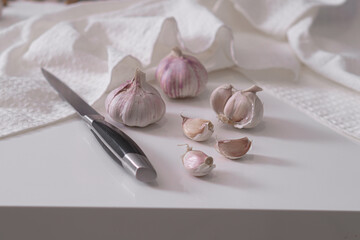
181 75
220 96
234 148
237 107
257 110
197 129
115 92
253 89
197 163
255 114
135 103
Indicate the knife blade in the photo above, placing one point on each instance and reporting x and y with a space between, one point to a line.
116 143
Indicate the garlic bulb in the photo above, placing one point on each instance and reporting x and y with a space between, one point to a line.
135 103
197 129
197 163
234 148
242 109
181 75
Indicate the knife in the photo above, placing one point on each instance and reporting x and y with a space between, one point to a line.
115 142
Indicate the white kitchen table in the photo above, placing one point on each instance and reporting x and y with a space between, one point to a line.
300 180
298 175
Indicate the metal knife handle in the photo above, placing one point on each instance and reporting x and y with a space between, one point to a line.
123 150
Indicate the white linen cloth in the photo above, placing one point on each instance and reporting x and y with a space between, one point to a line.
95 46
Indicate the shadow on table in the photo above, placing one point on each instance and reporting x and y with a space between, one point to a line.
166 174
230 179
169 127
288 130
251 158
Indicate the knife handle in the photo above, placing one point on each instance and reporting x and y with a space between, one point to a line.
123 150
115 158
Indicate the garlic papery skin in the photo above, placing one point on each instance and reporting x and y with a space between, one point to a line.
181 75
197 129
220 96
135 103
197 163
243 109
234 148
255 115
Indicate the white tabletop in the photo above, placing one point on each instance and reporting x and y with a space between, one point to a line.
295 163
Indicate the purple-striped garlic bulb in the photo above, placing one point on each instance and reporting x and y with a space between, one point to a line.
181 75
197 163
242 109
135 103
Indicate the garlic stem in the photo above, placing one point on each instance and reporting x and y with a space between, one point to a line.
188 148
139 76
209 161
176 51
